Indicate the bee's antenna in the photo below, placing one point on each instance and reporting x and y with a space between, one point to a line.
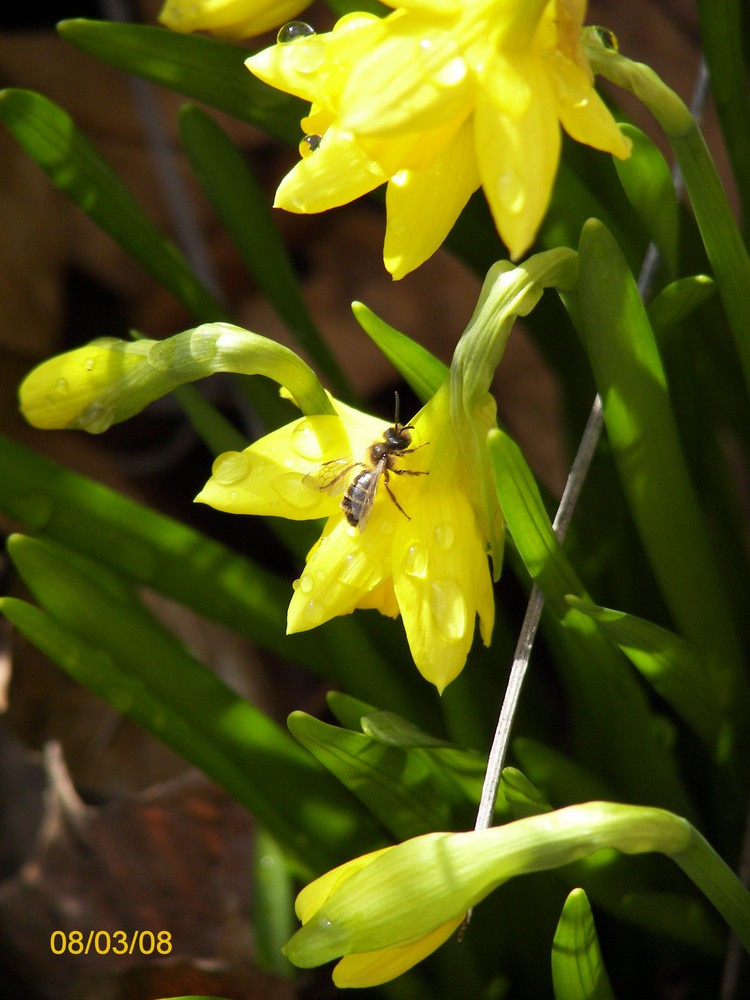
398 406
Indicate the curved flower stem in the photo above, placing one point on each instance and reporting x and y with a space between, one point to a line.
576 478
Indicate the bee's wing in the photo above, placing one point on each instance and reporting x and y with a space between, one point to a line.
331 477
370 492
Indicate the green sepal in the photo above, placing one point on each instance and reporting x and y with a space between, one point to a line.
647 181
578 971
201 68
74 165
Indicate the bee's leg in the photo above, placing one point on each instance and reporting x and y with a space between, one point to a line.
390 494
415 448
409 472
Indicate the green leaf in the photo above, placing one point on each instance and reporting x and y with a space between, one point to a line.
410 791
667 661
647 181
611 716
723 30
420 369
106 640
578 971
243 209
394 731
201 68
678 300
643 436
273 905
76 167
560 779
156 550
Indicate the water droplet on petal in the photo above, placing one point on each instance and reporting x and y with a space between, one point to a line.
88 364
607 38
289 488
230 467
445 536
314 612
309 144
305 443
293 30
306 583
62 386
442 63
416 561
448 607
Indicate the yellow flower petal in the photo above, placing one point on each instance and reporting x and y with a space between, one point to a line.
344 566
593 124
518 160
439 569
336 173
229 18
515 70
314 895
416 78
423 205
376 967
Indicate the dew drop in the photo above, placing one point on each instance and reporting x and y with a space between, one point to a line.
305 443
448 607
445 536
314 612
88 364
441 60
62 386
291 489
416 561
306 583
230 467
293 30
309 144
607 38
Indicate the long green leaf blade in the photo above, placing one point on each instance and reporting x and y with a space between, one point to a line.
74 165
202 69
643 435
242 206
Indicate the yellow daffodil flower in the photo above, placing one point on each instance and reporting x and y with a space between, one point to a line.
386 911
436 99
374 967
229 18
416 550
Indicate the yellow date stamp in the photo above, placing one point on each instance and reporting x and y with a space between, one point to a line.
110 942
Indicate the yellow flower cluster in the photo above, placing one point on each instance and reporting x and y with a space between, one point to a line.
436 99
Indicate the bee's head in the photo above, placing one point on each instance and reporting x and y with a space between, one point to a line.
398 436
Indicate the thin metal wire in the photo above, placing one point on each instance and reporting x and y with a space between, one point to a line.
576 478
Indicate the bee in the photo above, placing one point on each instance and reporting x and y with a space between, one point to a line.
358 491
